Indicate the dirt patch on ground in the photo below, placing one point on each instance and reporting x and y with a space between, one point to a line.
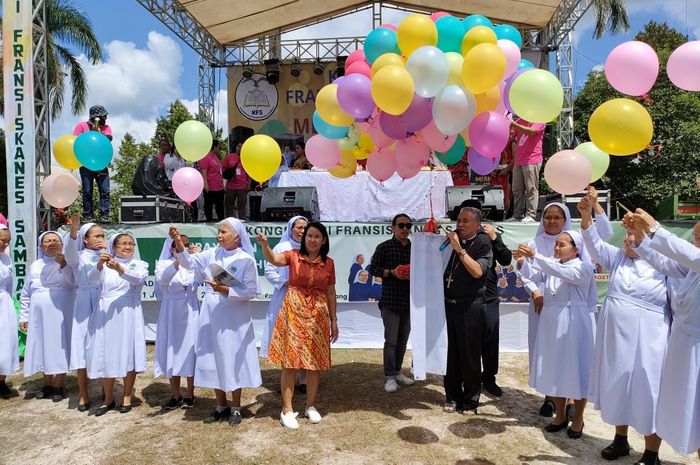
362 425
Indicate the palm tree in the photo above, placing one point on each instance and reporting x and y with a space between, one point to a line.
67 28
610 15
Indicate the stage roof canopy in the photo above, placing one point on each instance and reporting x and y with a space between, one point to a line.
229 24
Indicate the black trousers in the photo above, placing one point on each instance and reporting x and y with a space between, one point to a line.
465 325
214 199
397 327
489 343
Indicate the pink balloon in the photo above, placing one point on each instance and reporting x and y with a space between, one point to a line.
392 126
381 164
482 164
632 68
683 66
412 152
435 139
355 95
390 26
407 172
437 15
188 184
380 139
360 67
323 153
357 55
489 133
568 172
512 53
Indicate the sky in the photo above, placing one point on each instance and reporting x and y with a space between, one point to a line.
147 66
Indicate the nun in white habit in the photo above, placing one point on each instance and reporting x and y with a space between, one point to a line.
563 349
116 343
46 314
227 358
178 323
9 355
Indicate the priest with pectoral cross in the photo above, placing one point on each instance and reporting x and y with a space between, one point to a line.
465 310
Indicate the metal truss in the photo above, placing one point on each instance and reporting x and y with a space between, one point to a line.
207 93
42 114
255 52
565 73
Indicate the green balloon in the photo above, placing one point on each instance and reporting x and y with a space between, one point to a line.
193 140
454 153
599 159
536 96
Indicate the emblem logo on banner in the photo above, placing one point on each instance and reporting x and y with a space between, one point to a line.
256 98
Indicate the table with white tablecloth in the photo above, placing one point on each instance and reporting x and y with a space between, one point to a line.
362 198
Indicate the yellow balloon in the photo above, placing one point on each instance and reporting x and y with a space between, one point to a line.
346 167
465 136
478 35
364 147
621 127
63 152
483 67
386 60
261 156
328 108
454 63
488 101
416 31
392 89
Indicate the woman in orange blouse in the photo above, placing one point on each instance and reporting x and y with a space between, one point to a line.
306 324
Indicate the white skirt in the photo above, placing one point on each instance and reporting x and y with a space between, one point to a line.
48 332
9 355
176 337
86 301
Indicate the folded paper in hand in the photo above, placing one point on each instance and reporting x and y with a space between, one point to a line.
221 275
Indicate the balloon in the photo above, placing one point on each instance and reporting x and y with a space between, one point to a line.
329 109
512 53
63 152
418 114
346 167
408 171
357 55
355 96
620 127
489 133
386 60
568 172
475 20
525 64
683 66
482 164
483 67
508 32
94 151
599 160
380 139
193 140
632 68
365 146
509 83
188 184
348 142
501 104
478 35
60 189
359 67
429 69
322 153
536 96
416 31
454 153
389 26
450 34
392 126
453 110
328 130
488 101
412 151
392 89
378 42
440 14
381 164
454 65
435 139
260 156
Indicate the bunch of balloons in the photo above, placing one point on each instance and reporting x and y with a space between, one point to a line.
434 83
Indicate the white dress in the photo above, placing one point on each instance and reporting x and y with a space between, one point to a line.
178 321
626 373
678 415
564 344
47 301
116 343
227 358
9 355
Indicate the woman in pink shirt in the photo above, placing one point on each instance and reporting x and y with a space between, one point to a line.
210 167
237 182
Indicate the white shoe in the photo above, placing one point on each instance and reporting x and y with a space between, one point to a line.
512 219
390 385
528 219
289 420
404 380
312 414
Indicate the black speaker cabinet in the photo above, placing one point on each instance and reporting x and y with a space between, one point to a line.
282 203
490 197
573 199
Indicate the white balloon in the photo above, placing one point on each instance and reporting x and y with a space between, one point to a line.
453 109
60 189
429 69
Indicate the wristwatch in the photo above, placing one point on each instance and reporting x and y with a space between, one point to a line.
653 230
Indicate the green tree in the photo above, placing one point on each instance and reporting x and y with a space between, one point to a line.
610 15
672 162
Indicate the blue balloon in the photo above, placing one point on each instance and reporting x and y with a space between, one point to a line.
525 64
380 41
450 34
475 20
508 32
329 131
93 150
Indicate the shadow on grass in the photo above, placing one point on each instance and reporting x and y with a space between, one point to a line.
474 462
417 435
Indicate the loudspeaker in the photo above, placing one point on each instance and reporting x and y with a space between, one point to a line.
572 200
283 203
238 134
491 198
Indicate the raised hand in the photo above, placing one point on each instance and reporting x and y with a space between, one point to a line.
490 231
585 206
643 219
262 239
525 251
74 225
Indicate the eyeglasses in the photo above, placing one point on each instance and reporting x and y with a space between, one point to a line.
125 244
553 218
404 225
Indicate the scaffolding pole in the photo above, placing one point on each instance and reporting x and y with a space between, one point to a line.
42 112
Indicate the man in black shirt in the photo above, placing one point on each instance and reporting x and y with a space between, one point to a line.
391 262
465 307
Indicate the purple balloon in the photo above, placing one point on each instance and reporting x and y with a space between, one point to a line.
489 133
481 164
418 114
509 83
355 95
393 126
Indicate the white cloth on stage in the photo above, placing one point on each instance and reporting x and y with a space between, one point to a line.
227 358
348 199
631 337
678 416
9 355
116 343
46 304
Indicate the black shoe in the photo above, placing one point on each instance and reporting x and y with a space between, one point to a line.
655 462
469 405
615 450
218 416
125 408
45 393
649 458
302 388
58 394
5 389
493 389
187 403
102 409
84 407
547 409
235 418
173 403
575 434
556 427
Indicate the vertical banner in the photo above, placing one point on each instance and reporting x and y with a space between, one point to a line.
18 77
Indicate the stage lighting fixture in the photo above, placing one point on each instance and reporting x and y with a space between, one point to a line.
296 68
340 70
272 70
318 67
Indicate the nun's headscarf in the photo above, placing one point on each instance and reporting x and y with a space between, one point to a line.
81 235
583 254
239 227
112 250
287 234
40 250
357 279
567 218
